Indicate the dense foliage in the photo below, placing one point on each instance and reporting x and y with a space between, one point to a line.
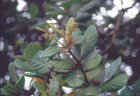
88 60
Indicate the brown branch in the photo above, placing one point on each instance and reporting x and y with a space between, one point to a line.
113 33
78 63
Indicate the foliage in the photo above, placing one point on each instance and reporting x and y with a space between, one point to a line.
75 65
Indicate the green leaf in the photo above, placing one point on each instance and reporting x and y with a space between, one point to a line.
89 91
137 86
115 83
70 22
77 36
94 73
23 65
31 50
12 72
126 92
53 87
90 39
20 83
3 92
92 61
40 65
33 10
11 89
35 65
61 64
50 51
74 81
109 72
39 86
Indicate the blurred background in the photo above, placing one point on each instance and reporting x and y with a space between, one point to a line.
117 22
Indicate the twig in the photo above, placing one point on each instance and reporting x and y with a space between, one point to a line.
78 63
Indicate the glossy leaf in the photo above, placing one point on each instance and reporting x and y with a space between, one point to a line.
90 39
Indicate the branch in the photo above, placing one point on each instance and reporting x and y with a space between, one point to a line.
113 33
78 63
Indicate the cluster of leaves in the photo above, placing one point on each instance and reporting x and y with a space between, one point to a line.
75 65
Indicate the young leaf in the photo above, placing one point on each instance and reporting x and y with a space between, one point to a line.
12 72
90 39
69 23
115 83
31 50
20 83
11 89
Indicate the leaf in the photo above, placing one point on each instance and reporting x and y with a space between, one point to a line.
70 22
61 64
115 83
73 80
40 65
53 87
77 36
109 72
20 83
23 65
39 86
126 92
89 91
11 89
12 72
36 65
90 39
137 86
3 92
31 50
33 10
94 73
92 61
50 51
